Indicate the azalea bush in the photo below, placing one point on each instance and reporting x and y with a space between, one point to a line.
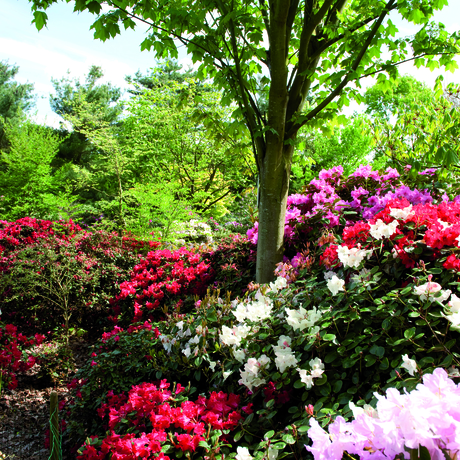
419 424
52 279
14 357
165 421
159 281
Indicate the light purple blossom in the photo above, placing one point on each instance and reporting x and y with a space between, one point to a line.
428 416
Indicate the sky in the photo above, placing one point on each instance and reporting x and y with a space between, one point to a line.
67 45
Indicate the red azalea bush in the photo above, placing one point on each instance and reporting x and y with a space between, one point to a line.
438 225
151 420
13 357
51 277
161 280
234 264
26 231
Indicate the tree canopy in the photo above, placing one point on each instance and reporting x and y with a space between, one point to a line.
302 54
15 98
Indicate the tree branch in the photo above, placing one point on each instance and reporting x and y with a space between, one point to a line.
183 40
346 79
358 26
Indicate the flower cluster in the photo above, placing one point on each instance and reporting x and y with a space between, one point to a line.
162 276
426 417
337 200
13 358
161 417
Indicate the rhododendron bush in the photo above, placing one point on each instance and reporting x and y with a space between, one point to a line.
57 273
13 354
165 421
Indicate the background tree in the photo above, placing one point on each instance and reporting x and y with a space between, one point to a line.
178 133
28 185
348 146
68 96
15 98
300 50
415 125
166 71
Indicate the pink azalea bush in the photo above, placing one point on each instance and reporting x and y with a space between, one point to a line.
13 355
428 417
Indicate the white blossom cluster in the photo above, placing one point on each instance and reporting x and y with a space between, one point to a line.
381 230
261 308
335 284
453 309
234 335
352 257
250 376
285 357
317 369
401 214
302 319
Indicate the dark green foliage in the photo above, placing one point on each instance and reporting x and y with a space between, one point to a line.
15 98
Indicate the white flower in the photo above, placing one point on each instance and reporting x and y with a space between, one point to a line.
409 364
444 224
279 283
367 409
352 257
328 275
234 336
306 378
429 290
335 285
187 351
242 453
226 374
454 318
239 354
401 214
381 230
454 304
317 367
302 319
272 453
285 359
249 377
453 372
263 360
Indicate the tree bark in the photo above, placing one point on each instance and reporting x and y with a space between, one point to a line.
274 187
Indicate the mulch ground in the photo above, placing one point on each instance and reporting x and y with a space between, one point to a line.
24 412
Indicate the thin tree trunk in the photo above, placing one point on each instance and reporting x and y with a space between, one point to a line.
274 187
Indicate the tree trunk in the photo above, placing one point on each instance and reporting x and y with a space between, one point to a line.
274 187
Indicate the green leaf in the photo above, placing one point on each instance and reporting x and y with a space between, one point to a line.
289 439
329 337
330 357
377 351
40 18
409 333
269 434
337 386
370 360
238 435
